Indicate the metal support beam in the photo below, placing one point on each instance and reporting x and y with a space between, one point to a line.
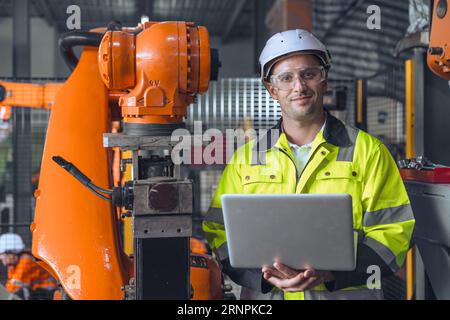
420 276
419 100
21 120
239 7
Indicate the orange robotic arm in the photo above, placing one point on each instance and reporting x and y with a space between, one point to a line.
154 71
163 67
439 51
26 95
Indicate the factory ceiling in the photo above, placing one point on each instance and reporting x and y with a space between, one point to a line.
223 18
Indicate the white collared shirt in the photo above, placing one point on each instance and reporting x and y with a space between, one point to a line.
301 153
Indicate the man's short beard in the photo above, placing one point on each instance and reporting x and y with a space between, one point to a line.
304 114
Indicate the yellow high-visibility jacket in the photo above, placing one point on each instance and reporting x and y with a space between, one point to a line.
343 159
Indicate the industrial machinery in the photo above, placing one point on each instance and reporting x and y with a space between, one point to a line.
428 187
439 48
428 184
141 79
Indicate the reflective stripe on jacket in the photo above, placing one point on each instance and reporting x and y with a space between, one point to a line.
343 159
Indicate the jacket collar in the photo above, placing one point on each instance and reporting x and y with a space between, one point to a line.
334 133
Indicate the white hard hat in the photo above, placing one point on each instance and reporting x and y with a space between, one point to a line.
11 242
291 41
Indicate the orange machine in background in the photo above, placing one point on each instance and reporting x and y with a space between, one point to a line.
439 48
26 95
149 75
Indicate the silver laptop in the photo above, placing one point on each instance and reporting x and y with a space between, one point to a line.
299 230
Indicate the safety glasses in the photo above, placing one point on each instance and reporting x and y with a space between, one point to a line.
286 80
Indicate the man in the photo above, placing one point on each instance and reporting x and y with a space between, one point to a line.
26 278
316 153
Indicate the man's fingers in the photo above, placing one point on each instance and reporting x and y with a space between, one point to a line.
309 273
267 268
290 273
293 282
286 283
304 285
277 282
274 272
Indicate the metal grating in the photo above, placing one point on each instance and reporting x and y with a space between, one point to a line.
386 109
209 180
39 121
235 103
386 120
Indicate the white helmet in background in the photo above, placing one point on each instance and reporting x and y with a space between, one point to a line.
11 242
292 41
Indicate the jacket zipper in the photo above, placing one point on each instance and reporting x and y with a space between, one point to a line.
297 178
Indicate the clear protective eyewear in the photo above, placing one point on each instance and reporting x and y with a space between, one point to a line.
286 80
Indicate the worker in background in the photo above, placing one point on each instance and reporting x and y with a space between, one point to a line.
315 153
26 278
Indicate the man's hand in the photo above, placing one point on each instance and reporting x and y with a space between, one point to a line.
291 280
